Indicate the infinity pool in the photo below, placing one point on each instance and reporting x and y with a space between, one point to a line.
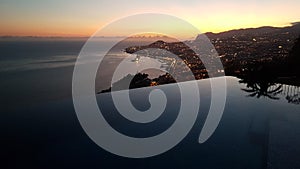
253 132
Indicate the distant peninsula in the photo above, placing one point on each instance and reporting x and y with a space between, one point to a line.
266 52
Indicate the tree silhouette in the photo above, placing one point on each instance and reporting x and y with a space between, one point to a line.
294 57
295 99
260 88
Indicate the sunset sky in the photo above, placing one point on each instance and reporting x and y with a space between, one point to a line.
83 18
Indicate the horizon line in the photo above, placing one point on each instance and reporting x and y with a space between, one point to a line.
87 36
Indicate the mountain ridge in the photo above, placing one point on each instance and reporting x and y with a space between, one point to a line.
264 30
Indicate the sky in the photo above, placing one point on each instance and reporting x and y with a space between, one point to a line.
85 17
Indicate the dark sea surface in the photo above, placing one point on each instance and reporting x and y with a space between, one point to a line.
40 129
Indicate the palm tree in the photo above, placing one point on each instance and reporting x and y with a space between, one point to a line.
295 99
260 88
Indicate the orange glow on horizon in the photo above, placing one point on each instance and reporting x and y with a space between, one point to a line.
215 28
224 24
214 17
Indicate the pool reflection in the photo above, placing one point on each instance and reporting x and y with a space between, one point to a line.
259 86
